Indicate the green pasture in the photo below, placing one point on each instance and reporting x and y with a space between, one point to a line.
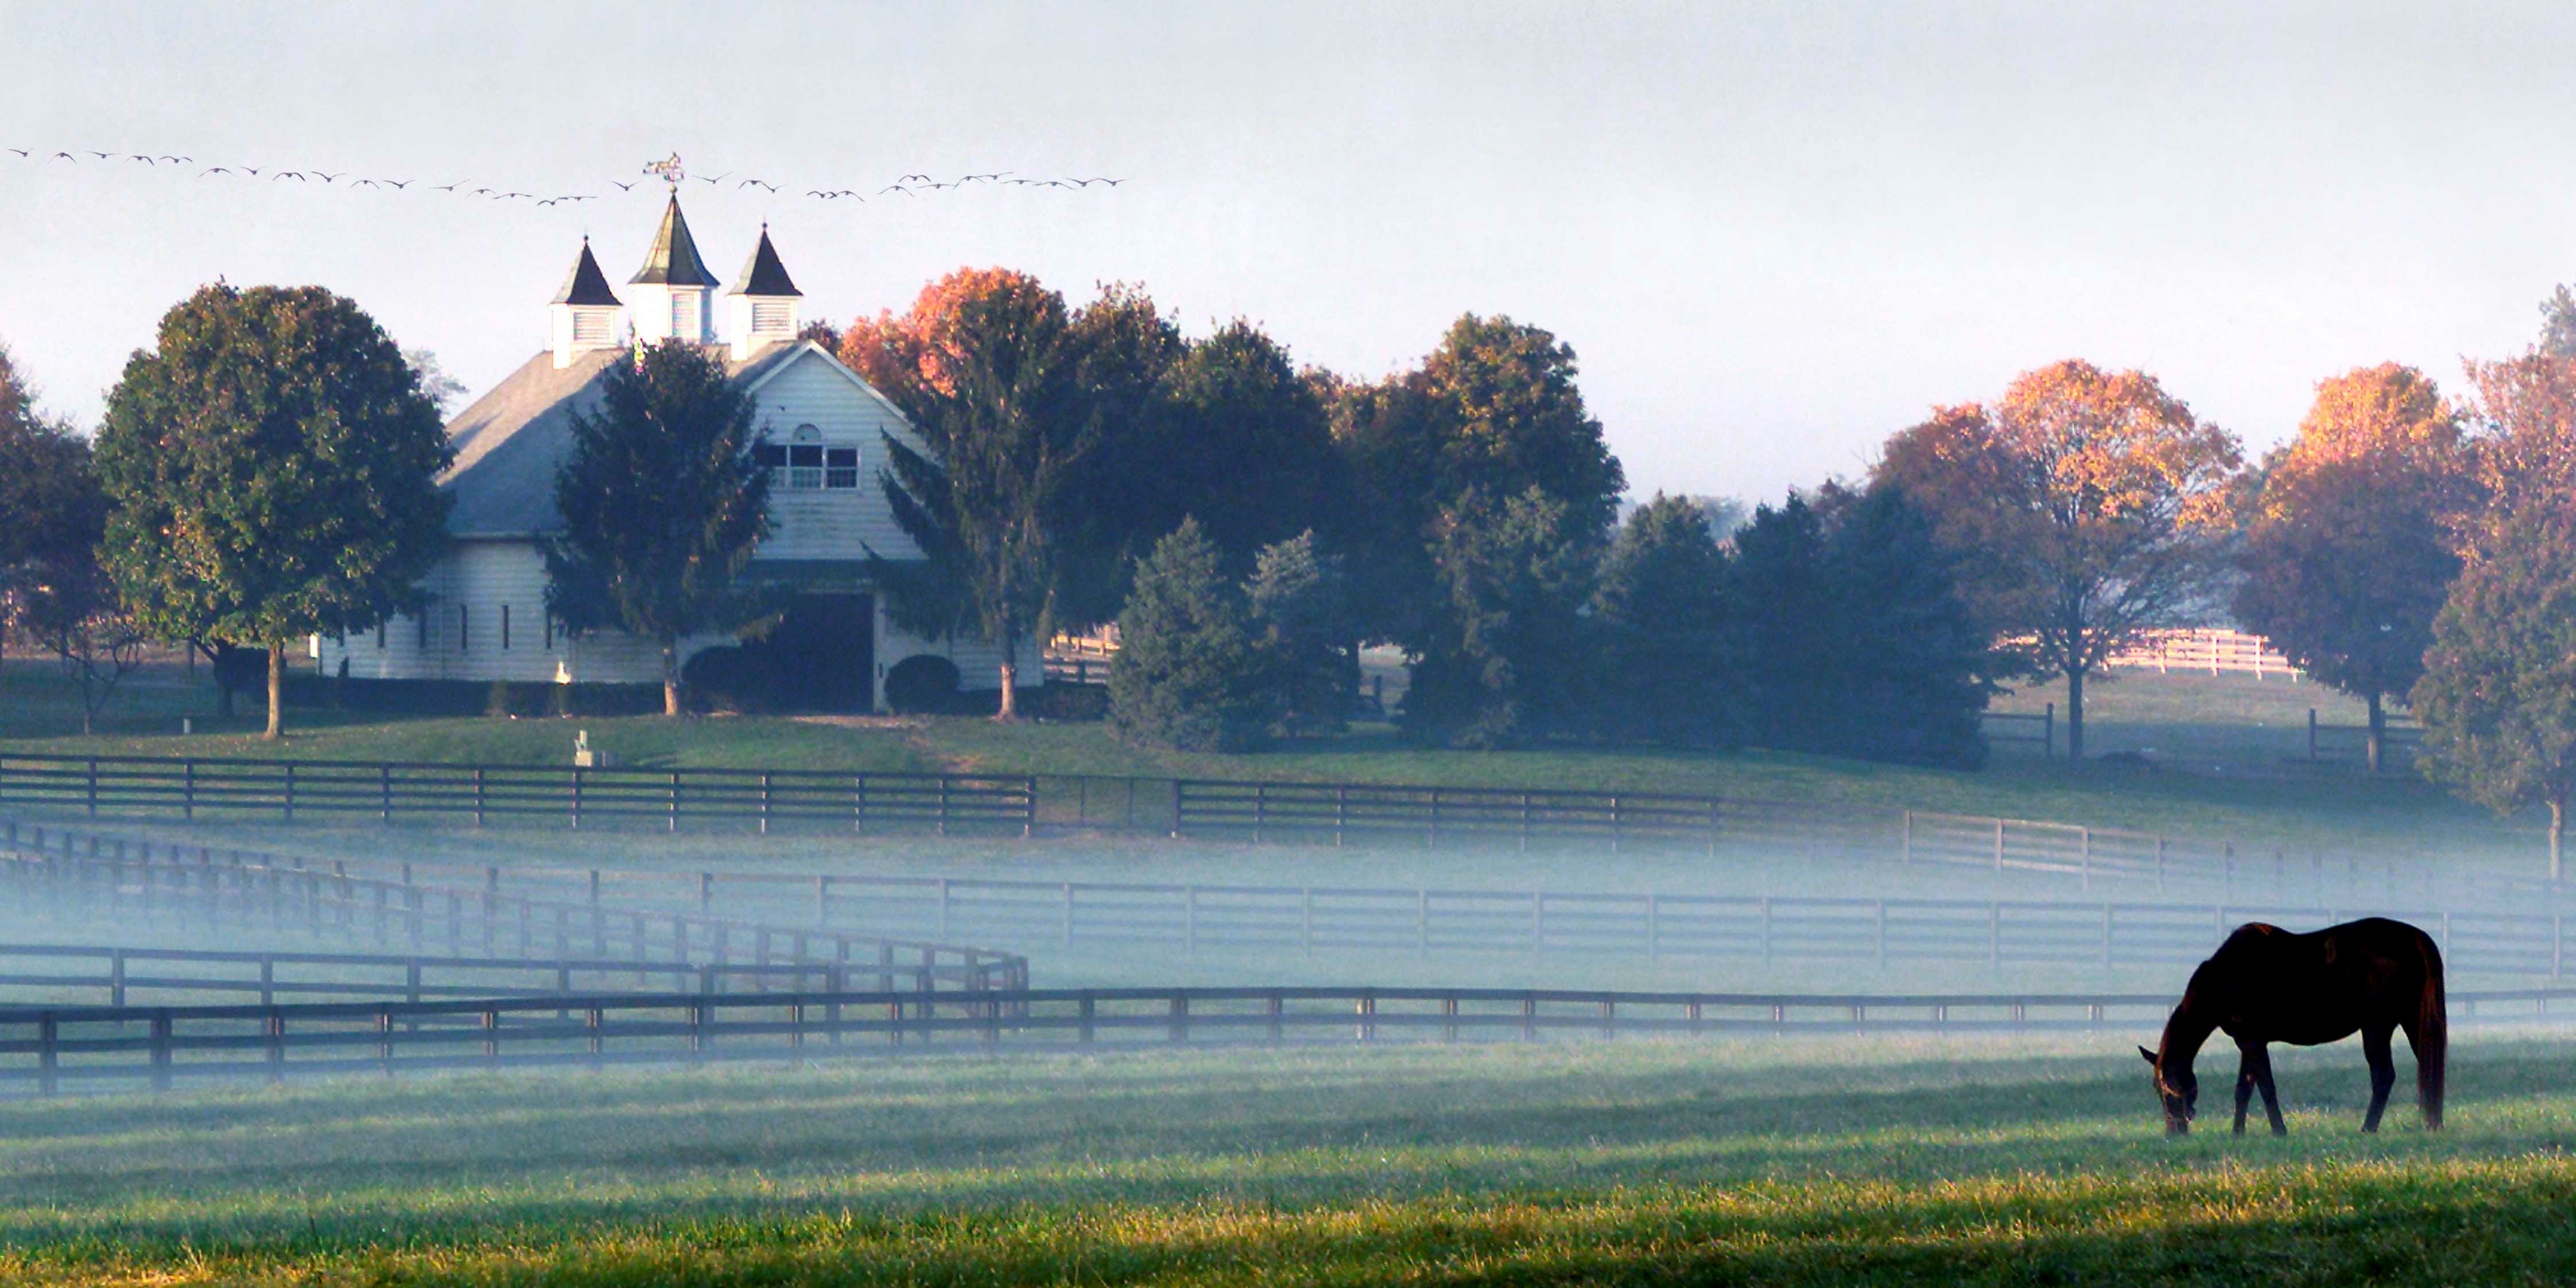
2025 1160
2223 759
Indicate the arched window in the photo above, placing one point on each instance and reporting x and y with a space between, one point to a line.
804 464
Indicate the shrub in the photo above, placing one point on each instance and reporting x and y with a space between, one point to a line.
922 684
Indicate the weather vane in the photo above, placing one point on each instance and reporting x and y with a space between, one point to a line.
668 171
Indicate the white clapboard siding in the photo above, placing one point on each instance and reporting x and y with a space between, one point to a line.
979 664
481 578
826 524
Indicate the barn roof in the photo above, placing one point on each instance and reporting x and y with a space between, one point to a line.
511 441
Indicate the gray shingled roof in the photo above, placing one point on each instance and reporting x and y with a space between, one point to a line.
586 284
674 261
762 274
512 440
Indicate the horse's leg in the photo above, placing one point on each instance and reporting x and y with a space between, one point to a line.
2246 1059
2383 1073
2260 1060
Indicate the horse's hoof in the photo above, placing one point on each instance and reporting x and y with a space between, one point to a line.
2282 1132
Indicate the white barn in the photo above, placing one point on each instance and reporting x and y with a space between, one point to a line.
486 617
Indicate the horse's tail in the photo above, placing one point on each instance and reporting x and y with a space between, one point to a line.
2431 1035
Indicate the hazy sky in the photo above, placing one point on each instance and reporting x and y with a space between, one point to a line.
1773 233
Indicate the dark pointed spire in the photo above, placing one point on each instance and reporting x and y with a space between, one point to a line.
586 284
762 274
674 261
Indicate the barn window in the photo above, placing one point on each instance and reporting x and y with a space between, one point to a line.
461 634
591 326
768 318
684 314
550 631
421 623
840 467
380 637
505 626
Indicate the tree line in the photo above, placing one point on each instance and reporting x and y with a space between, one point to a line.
265 472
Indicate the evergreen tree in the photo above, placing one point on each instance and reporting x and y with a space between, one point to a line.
2498 696
1190 673
1782 585
1670 670
1508 658
271 463
1302 605
1912 662
986 366
663 501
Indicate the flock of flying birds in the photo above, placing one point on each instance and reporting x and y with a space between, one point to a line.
907 185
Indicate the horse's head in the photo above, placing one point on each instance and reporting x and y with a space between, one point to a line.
2177 1088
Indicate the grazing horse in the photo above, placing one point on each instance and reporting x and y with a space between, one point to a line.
2267 985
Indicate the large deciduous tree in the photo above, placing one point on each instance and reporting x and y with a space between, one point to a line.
986 366
663 500
51 508
2350 548
271 463
2085 506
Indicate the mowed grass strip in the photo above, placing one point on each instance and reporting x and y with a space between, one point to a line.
1873 1160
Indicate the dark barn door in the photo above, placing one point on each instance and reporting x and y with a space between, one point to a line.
822 653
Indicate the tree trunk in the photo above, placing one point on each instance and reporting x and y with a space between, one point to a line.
2378 732
276 692
1010 688
223 684
670 677
2557 832
2074 717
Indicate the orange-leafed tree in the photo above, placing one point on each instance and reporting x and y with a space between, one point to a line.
2350 544
2085 507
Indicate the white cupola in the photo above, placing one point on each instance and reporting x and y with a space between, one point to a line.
761 307
671 292
585 311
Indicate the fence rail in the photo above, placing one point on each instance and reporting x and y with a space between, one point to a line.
1299 812
48 1050
281 789
124 976
2213 651
147 880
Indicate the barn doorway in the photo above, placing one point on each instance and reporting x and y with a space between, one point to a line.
822 654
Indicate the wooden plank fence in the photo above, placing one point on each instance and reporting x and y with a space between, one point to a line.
51 1050
128 976
2211 650
200 885
213 788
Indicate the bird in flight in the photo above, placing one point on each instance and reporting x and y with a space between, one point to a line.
326 178
144 159
296 175
253 172
994 175
396 184
894 187
755 183
19 151
1111 182
364 183
100 155
509 195
703 179
178 160
907 178
67 157
447 187
212 169
625 187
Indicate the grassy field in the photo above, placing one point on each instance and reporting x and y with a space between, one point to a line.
2218 768
2031 1160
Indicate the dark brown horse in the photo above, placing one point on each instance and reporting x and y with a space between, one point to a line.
2265 985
